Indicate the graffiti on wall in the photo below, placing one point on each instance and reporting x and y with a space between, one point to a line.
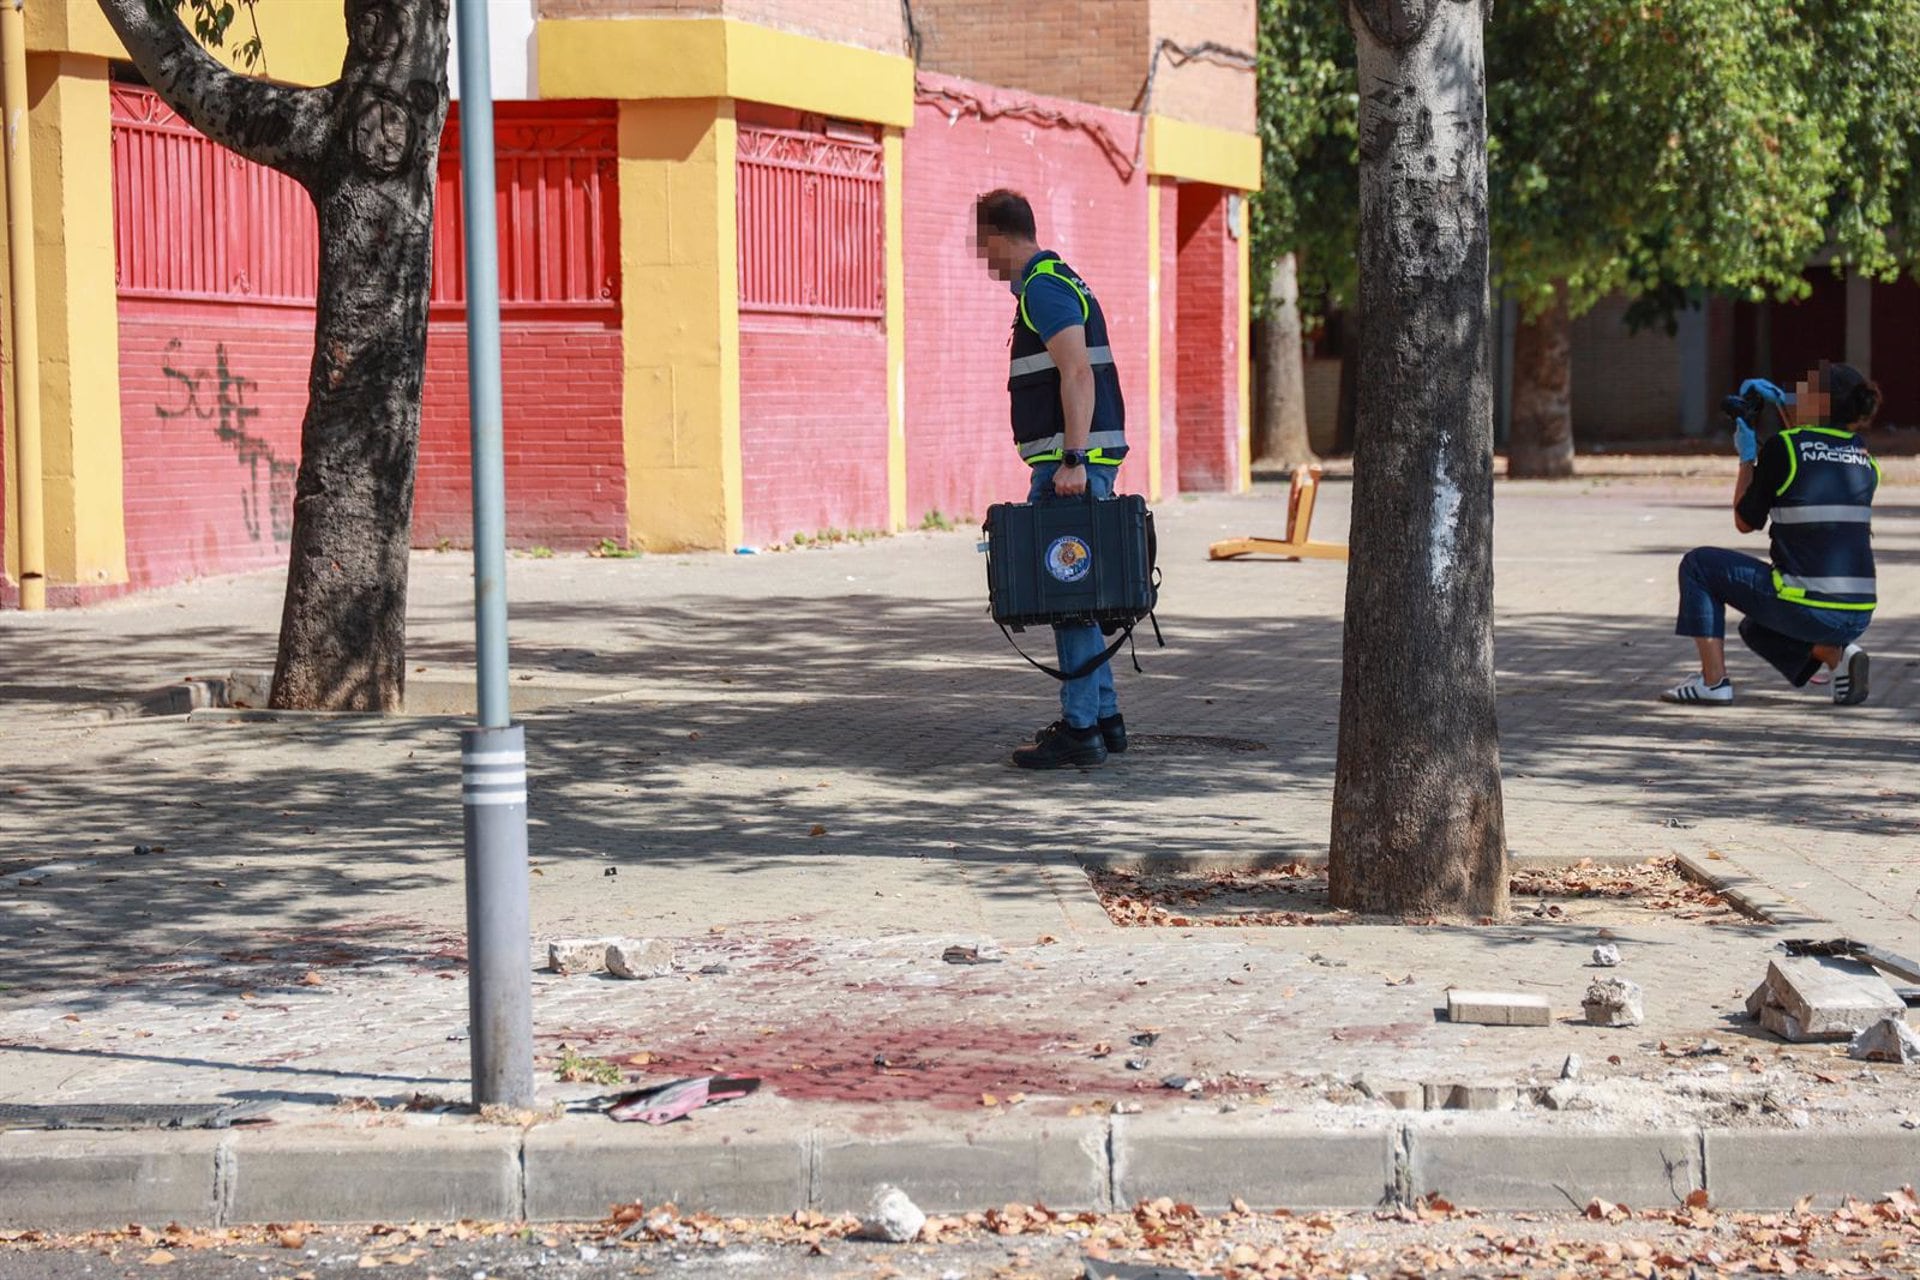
220 396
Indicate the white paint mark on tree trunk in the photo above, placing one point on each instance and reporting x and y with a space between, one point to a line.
1446 520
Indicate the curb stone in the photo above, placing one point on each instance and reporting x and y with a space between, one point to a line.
344 1175
1768 1169
1210 1159
1061 1163
1495 1168
71 1181
578 1172
1749 895
758 1164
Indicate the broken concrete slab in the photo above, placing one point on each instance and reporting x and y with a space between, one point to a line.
1888 1040
1614 1002
1499 1009
1454 1095
635 958
578 955
1829 998
1401 1095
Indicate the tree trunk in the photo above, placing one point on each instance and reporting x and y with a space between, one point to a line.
1418 828
366 149
343 641
1282 420
1540 443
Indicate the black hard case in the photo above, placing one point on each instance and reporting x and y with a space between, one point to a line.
1117 587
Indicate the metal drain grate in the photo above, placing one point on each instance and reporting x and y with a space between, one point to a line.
1190 744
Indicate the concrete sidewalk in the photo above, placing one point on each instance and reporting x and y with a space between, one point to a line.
794 766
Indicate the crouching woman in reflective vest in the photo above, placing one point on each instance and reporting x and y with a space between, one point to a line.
1811 487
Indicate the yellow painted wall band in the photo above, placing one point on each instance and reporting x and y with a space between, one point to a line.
652 58
1202 153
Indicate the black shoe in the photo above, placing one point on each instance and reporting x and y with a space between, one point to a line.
1061 746
1113 732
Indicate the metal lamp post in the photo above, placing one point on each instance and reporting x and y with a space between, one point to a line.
493 756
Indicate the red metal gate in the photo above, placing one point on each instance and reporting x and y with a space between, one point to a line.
811 210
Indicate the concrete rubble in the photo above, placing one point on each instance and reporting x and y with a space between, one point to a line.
1809 998
640 958
892 1217
1888 1040
1606 955
1614 1002
578 955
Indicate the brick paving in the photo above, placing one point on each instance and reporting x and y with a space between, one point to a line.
795 766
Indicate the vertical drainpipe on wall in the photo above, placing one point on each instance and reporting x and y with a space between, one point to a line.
30 501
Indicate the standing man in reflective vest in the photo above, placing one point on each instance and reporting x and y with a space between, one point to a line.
1814 485
1070 426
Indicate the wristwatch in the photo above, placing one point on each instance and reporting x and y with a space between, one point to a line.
1073 457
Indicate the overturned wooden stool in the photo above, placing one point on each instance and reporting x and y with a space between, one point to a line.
1297 545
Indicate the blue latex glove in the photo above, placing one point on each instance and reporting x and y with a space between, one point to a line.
1767 390
1745 443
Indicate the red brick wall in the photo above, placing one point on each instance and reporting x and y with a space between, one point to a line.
211 397
960 455
565 453
1205 360
1086 50
813 425
1208 91
213 389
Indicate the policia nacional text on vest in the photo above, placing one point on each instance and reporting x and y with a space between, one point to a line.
1033 381
1822 539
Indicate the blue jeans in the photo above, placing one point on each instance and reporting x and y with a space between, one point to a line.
1091 697
1782 632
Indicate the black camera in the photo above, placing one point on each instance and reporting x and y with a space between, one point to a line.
1757 410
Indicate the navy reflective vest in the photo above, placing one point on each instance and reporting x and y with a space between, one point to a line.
1039 421
1822 538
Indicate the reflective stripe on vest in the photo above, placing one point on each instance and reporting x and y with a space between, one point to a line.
1823 515
1044 361
1794 590
1051 268
1053 444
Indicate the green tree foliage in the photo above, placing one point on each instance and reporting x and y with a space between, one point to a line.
1308 104
1659 148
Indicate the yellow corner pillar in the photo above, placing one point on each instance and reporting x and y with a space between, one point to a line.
1179 150
71 138
680 323
892 157
1154 353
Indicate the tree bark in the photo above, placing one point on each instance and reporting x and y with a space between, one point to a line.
1282 420
1418 826
366 149
1540 445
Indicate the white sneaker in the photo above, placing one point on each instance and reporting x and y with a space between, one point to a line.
1695 689
1850 677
